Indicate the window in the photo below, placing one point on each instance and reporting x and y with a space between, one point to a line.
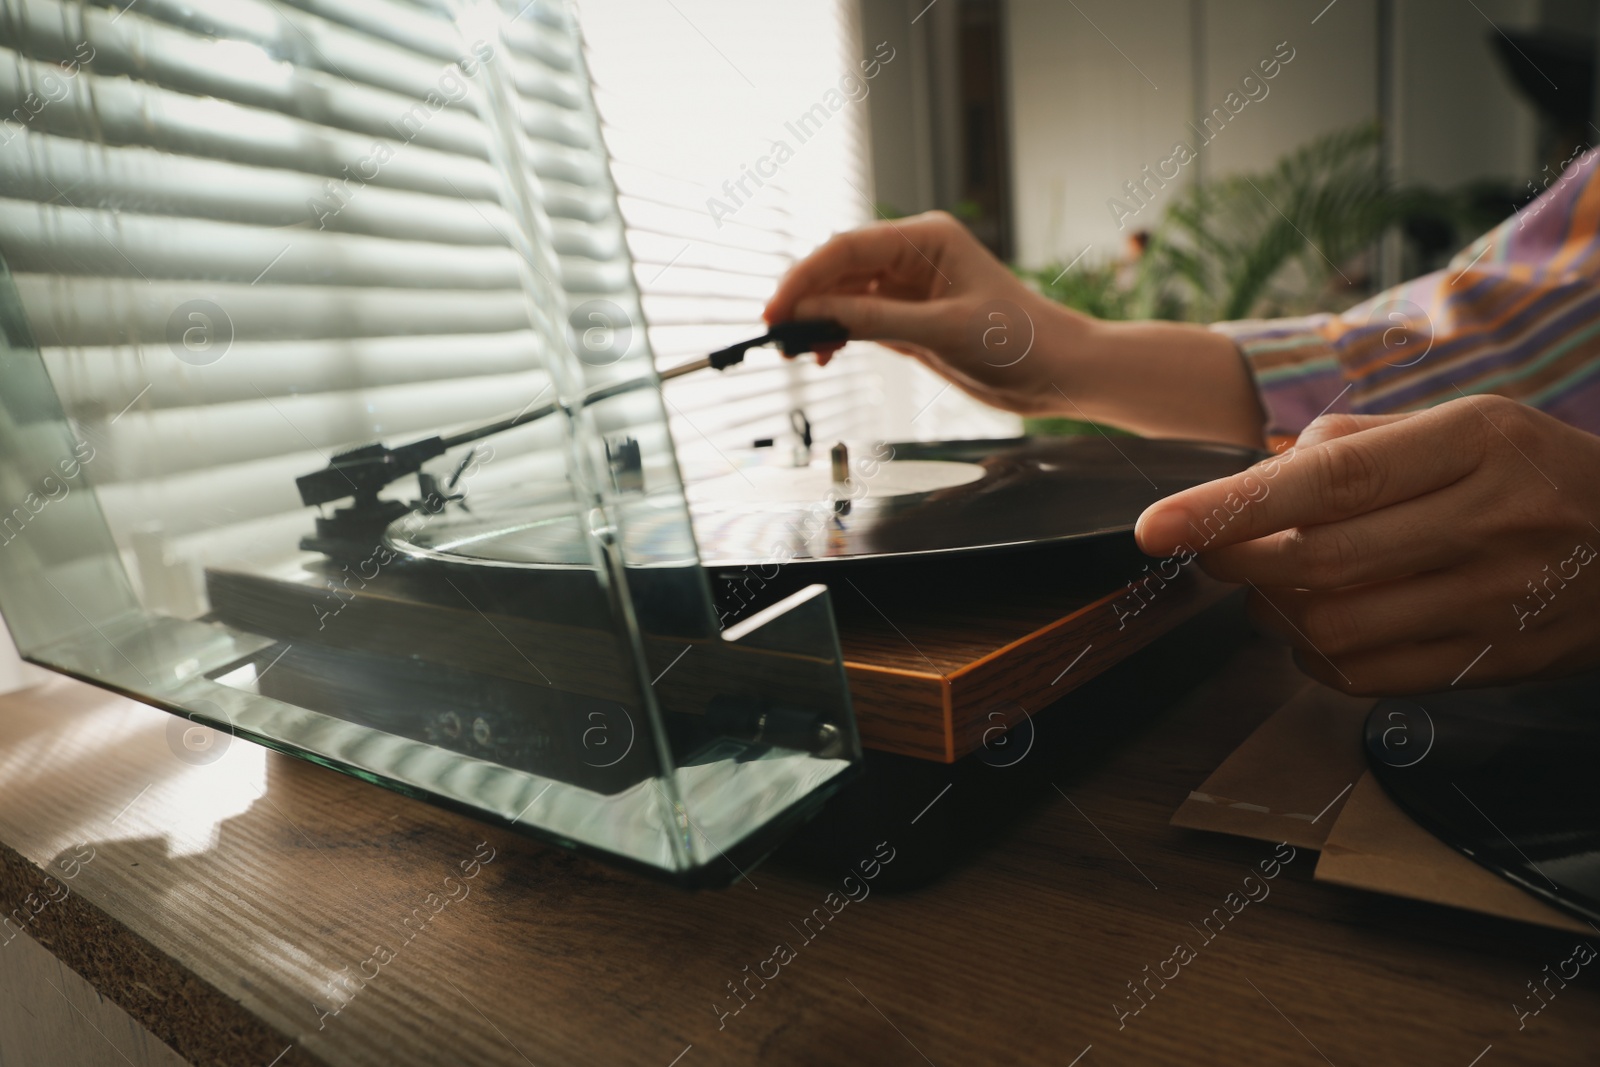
738 137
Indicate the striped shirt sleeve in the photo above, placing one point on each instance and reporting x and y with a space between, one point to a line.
1517 313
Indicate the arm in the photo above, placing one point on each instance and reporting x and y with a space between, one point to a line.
1162 379
1514 314
927 289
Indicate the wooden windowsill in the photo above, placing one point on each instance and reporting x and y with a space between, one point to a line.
222 901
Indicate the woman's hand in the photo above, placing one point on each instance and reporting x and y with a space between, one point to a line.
1408 553
926 288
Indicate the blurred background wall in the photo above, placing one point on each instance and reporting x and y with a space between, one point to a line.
1088 92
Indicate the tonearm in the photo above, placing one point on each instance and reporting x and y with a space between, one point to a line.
362 473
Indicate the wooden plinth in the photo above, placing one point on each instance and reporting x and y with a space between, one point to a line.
940 667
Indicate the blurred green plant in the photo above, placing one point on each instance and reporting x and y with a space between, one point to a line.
1050 426
1273 243
968 211
1300 236
1102 290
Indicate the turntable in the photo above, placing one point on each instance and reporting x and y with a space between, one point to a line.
972 582
530 619
607 659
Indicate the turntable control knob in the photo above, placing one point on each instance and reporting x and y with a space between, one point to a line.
840 456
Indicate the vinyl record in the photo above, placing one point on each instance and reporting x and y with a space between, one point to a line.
1505 776
900 501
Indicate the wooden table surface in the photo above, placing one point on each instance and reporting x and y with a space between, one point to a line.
217 904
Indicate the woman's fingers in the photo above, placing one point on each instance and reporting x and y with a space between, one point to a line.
1398 670
903 251
1387 639
1326 428
877 318
1392 542
1325 483
1345 622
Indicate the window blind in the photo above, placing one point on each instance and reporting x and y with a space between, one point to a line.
693 97
293 200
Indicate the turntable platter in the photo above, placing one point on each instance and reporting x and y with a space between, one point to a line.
929 497
899 479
